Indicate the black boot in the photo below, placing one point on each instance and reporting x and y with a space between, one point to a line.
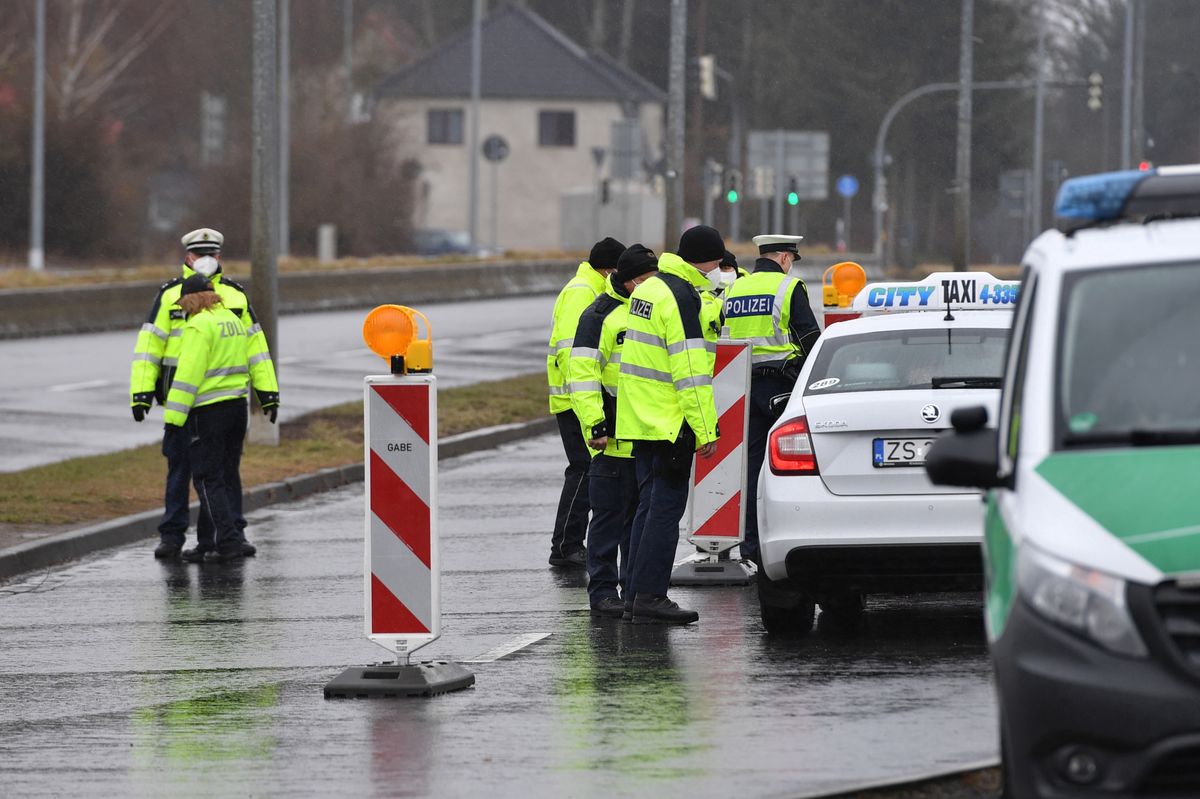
660 610
168 548
609 607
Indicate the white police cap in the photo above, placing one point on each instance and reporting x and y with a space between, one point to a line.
204 238
778 243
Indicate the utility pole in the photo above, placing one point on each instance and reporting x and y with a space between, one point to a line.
675 109
962 205
37 202
264 181
284 124
1039 120
348 53
1127 89
1139 86
473 144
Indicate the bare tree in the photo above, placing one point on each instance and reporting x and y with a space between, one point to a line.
96 51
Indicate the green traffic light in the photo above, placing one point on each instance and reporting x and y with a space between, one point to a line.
732 196
793 198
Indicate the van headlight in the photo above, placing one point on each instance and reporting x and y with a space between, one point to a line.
1085 601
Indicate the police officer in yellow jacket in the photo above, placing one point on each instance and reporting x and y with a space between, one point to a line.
770 308
155 360
570 523
612 479
665 406
207 404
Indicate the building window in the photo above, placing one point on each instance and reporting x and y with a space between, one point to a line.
556 128
445 126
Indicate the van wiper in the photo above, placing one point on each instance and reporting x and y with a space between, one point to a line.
967 382
1137 437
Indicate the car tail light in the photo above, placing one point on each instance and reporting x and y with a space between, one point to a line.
791 448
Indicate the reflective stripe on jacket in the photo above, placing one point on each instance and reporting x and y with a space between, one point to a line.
156 353
213 366
771 310
574 298
667 360
595 366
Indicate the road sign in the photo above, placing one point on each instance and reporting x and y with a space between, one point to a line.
847 185
802 154
495 148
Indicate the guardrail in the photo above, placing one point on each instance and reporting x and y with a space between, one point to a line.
26 313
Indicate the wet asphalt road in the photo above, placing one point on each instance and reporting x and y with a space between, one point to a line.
124 676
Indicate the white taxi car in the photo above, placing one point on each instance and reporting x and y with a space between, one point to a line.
1092 472
845 507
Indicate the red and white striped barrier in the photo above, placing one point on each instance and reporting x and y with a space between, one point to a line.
718 483
400 571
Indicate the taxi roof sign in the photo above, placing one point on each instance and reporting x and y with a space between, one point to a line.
940 291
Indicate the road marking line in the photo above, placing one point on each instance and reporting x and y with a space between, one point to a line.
79 386
508 648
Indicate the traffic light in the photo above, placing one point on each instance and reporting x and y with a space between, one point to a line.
793 195
733 186
708 76
1095 91
604 195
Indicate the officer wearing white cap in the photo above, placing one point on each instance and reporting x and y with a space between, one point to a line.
769 308
155 359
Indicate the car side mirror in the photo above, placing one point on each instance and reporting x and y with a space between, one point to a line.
969 456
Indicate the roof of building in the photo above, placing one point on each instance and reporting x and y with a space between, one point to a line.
523 57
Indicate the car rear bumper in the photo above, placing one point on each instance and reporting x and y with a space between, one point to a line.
798 514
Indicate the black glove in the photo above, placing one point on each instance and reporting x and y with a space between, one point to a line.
269 401
140 405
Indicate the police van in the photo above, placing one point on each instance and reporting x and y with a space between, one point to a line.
845 507
1092 473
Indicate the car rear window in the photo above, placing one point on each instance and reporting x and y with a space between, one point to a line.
910 359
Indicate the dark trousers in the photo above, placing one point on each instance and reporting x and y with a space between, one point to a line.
662 498
174 522
762 388
612 486
570 524
215 436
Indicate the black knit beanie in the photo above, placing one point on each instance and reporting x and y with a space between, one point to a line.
728 260
701 244
605 253
635 262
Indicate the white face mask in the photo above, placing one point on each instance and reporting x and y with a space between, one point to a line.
719 279
206 265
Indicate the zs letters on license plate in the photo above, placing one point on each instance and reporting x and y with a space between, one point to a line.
900 451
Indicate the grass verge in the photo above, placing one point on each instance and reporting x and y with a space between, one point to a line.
87 490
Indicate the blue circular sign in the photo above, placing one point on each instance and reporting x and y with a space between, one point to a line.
847 185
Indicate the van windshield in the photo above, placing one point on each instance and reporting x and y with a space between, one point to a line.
910 359
1129 354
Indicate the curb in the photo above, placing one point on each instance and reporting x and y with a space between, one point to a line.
75 544
904 783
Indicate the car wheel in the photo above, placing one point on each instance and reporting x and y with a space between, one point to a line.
785 611
843 611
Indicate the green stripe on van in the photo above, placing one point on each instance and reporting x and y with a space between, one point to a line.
1000 571
1146 496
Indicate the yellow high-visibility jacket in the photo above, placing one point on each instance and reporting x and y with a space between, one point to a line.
667 361
156 353
213 366
575 297
595 367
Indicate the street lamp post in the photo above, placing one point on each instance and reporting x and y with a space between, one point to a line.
37 201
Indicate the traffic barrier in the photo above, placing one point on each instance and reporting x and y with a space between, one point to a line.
401 569
718 520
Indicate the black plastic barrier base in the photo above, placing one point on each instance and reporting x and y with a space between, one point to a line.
430 678
711 571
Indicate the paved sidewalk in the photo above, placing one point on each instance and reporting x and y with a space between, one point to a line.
24 550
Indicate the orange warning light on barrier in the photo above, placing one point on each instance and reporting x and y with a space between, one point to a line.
391 332
840 283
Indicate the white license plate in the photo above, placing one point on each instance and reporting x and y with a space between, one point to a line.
900 451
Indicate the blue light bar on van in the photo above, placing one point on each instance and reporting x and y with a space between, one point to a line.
1096 198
